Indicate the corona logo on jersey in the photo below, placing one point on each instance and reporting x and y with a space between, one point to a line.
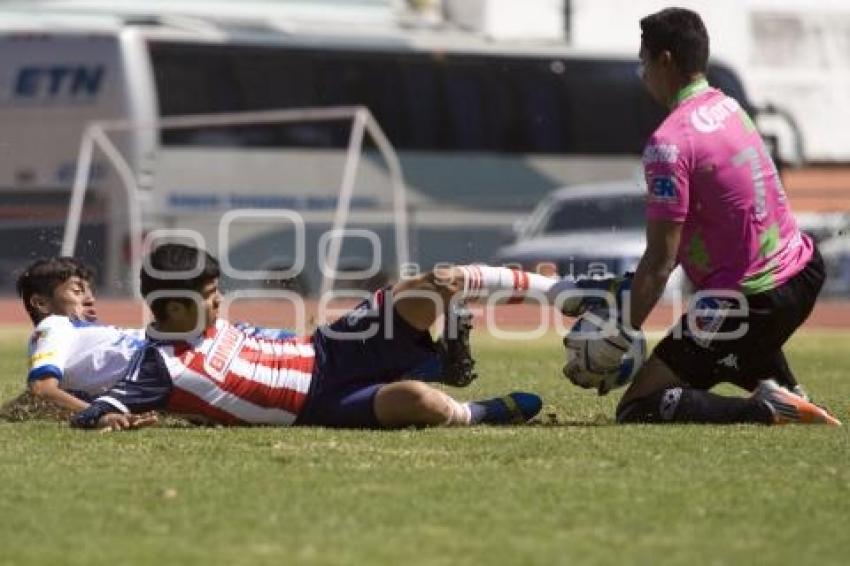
707 119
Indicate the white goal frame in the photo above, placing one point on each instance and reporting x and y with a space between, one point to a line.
96 136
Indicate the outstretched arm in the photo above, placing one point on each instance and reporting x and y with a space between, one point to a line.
129 403
47 388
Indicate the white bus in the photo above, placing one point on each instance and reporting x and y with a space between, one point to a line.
483 131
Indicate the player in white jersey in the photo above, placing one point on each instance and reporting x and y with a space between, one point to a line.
82 356
71 358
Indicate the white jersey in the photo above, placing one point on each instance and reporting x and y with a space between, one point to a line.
83 356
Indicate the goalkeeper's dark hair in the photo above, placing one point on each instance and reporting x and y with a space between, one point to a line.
175 258
42 277
682 33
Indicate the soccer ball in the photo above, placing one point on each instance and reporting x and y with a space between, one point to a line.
601 354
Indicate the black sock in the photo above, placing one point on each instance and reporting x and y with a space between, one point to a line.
782 373
686 405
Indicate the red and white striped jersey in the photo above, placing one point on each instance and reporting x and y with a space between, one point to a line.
231 377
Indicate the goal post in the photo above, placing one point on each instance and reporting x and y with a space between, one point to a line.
97 136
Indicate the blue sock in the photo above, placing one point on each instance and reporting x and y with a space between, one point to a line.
515 408
477 410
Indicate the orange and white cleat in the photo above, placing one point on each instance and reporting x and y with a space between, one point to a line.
790 408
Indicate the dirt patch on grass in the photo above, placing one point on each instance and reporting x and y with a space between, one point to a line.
28 407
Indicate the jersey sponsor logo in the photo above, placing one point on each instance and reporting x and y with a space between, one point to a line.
707 119
40 357
128 340
663 189
711 316
661 153
224 350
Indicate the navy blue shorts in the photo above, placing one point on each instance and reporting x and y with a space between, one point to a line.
358 354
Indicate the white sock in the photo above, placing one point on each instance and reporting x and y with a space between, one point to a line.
480 280
460 413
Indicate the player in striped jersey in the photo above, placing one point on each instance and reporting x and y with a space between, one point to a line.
351 373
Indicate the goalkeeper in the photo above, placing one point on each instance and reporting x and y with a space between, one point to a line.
716 206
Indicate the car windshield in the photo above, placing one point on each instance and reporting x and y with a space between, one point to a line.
608 213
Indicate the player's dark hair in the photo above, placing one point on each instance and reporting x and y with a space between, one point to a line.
176 258
682 33
42 277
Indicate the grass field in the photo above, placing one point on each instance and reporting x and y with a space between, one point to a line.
574 489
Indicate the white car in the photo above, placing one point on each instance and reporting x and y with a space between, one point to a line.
836 257
586 229
831 231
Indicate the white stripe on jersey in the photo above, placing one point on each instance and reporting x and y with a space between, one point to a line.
288 348
115 403
276 377
210 393
272 377
279 349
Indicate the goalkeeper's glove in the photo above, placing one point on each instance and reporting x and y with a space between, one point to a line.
577 296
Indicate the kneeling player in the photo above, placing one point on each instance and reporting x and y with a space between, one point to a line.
352 373
721 339
716 206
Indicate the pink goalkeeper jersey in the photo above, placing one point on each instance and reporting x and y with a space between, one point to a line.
707 166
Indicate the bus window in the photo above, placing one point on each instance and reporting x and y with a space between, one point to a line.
465 99
541 107
421 115
609 111
423 101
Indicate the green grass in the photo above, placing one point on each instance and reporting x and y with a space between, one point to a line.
574 490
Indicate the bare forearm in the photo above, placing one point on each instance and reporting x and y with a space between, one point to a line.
52 393
647 287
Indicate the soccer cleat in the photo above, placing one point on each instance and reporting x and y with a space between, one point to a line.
455 354
514 408
800 392
790 408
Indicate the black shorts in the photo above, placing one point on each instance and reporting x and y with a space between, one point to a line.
700 355
364 350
